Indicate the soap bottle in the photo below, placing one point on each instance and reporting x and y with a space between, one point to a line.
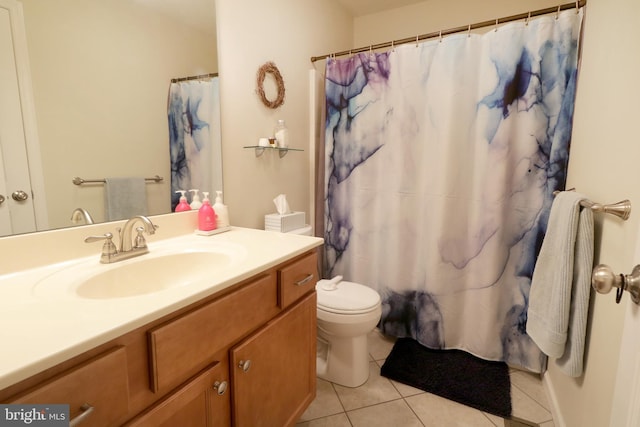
182 205
281 134
206 215
195 199
221 211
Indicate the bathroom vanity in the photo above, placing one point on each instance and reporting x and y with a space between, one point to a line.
236 347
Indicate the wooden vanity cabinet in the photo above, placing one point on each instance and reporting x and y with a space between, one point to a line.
244 357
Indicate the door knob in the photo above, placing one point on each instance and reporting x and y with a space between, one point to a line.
19 196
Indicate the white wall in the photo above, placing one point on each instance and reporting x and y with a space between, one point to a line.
250 33
101 73
603 162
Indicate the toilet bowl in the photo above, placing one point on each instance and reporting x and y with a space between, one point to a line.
347 312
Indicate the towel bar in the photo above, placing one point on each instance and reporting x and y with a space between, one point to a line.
603 280
621 209
79 181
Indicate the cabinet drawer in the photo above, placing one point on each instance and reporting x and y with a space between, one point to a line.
101 383
186 345
197 403
297 278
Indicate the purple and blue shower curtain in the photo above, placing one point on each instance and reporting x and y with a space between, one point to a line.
440 164
194 123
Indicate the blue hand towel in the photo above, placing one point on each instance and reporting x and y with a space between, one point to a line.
561 284
124 198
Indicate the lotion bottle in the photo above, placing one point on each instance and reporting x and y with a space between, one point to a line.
221 211
206 215
281 133
195 199
182 205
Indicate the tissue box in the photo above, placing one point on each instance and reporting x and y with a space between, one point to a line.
284 223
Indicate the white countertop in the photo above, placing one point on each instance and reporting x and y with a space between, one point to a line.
40 328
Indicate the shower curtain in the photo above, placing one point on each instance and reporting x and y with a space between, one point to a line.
194 122
440 164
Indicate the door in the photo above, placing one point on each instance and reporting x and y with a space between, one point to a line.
19 152
625 410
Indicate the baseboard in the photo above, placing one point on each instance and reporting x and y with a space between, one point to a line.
558 420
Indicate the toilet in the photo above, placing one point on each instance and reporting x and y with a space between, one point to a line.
347 312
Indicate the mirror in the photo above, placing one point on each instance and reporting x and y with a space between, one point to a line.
100 73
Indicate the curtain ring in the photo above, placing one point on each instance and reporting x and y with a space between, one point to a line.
393 49
440 36
577 7
417 40
469 31
496 30
558 12
526 22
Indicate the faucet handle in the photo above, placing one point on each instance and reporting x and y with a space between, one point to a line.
108 249
140 241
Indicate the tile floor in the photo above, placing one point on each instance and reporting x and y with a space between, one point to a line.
381 402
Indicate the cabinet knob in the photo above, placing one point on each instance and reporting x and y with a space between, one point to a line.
1 199
220 387
245 365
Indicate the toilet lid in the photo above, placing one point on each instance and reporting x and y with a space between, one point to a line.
347 298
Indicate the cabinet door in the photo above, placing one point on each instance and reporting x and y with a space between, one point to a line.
273 372
202 402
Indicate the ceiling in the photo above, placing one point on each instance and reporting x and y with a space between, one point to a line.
366 7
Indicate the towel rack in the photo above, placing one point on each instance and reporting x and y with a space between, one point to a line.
621 209
79 181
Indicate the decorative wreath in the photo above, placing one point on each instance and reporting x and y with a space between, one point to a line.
270 68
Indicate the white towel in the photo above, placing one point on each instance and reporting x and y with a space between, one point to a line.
124 198
560 286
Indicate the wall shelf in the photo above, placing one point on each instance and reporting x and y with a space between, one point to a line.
281 151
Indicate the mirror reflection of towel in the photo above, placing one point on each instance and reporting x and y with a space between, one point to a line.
124 198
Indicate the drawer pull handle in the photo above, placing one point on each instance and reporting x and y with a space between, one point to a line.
86 411
220 387
305 280
245 365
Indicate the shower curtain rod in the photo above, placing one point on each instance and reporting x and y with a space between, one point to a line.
527 15
200 77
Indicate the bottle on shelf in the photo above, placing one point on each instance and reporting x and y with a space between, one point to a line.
281 133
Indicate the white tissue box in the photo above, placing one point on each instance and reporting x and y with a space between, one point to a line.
284 223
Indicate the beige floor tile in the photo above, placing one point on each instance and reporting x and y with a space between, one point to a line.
548 424
394 413
379 345
495 419
403 389
377 389
528 409
339 420
531 385
435 411
325 403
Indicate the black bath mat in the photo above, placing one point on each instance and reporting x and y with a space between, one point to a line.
452 374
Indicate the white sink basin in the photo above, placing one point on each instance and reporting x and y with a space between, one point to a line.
142 275
147 275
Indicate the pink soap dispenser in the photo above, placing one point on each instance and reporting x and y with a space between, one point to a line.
206 215
182 205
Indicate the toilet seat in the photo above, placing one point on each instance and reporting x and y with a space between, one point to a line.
348 298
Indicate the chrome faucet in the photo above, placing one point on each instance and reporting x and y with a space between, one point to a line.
129 247
81 212
126 243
